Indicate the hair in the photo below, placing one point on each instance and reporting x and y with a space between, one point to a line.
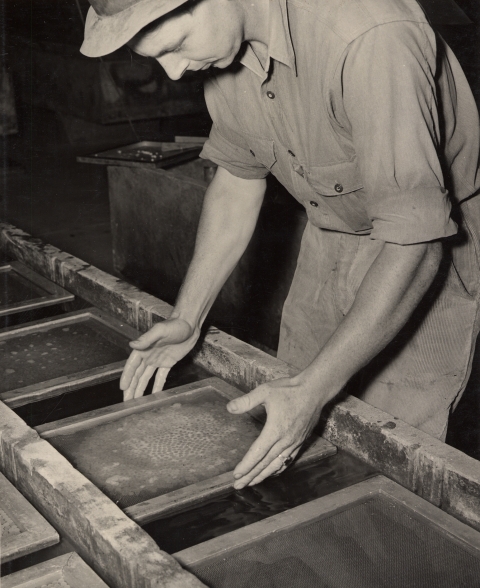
186 8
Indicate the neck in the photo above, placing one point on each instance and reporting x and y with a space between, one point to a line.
256 14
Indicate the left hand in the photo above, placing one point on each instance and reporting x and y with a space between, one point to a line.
293 409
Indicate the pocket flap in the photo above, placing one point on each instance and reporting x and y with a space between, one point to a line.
335 180
263 150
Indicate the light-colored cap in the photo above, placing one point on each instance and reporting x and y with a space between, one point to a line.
111 24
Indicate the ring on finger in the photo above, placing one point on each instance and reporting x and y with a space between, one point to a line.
286 460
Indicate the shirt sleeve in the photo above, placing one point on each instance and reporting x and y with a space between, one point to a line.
225 147
390 103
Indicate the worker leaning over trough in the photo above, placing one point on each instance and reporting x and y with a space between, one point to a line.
365 116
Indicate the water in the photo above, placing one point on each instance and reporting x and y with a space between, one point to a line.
236 509
100 395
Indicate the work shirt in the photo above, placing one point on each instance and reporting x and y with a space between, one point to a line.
355 103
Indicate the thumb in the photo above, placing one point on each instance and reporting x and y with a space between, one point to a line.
248 401
148 338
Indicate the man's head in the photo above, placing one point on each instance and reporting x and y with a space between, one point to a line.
180 34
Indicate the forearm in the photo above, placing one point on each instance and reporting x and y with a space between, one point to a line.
229 215
389 293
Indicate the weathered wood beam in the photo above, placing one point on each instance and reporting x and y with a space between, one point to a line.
441 474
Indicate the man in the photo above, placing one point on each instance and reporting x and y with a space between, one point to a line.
366 118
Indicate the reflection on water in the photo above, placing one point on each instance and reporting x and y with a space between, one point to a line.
236 509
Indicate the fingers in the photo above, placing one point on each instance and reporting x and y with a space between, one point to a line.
263 450
132 365
248 401
160 379
134 389
277 466
143 381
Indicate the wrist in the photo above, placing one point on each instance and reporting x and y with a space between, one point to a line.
192 321
317 384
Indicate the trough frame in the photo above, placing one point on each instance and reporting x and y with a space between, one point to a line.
54 294
444 476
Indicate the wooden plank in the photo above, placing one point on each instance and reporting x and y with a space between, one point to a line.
23 530
116 548
226 545
38 387
66 570
48 293
107 414
424 465
62 385
192 495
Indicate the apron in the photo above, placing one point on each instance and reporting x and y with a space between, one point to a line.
423 372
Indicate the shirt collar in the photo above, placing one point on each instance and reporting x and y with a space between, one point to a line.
280 45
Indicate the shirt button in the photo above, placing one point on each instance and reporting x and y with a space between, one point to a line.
271 95
252 153
338 188
313 203
291 153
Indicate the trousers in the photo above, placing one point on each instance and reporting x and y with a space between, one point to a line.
420 376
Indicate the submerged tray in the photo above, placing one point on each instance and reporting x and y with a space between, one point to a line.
375 533
66 571
162 451
52 356
145 154
22 529
22 289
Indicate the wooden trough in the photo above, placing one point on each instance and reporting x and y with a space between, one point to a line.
109 541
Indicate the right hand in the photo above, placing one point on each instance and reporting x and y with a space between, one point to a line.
158 349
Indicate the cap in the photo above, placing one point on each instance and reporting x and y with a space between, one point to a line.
111 24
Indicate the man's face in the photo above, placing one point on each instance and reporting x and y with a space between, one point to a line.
211 35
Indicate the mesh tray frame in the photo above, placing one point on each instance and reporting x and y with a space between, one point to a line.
210 559
112 331
183 497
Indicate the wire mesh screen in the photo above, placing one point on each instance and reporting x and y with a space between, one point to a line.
375 544
44 355
153 452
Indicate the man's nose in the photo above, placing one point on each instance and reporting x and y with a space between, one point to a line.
173 65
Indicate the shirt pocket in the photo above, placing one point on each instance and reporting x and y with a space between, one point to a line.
340 187
263 150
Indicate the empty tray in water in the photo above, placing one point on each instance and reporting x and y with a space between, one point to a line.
374 533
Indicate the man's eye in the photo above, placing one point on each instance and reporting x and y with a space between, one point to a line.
179 48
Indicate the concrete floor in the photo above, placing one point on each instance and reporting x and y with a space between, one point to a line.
65 203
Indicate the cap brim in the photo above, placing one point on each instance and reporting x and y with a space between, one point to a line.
106 34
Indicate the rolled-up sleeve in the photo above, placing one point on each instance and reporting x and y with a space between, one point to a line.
224 146
390 102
